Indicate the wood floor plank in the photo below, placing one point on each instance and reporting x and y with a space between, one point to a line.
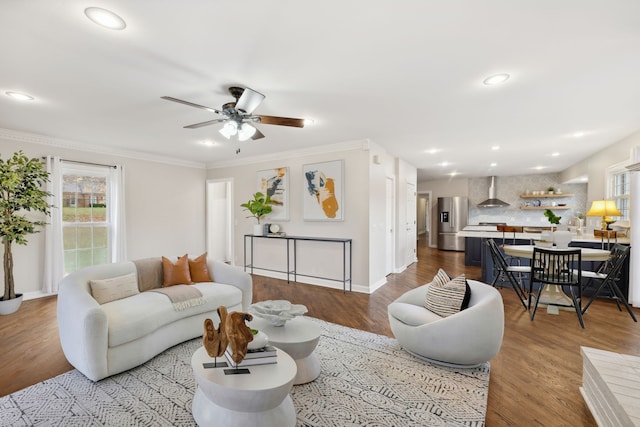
534 378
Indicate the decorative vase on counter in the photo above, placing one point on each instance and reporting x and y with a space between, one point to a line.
258 230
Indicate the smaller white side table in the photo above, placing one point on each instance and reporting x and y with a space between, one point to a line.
299 338
260 398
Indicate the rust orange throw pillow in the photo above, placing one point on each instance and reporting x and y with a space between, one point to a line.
176 274
198 269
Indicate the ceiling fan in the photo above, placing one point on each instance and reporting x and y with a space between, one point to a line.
238 117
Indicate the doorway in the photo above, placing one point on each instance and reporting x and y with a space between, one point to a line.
390 220
219 220
423 216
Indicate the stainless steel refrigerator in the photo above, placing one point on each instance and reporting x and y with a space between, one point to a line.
453 213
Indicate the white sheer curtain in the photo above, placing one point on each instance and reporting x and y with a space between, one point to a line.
117 214
54 252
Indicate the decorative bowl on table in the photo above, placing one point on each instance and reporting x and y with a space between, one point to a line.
277 312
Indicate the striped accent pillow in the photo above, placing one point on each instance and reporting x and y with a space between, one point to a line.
447 298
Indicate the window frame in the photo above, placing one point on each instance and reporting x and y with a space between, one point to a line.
71 168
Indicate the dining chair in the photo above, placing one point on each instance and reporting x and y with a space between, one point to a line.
508 272
557 267
609 276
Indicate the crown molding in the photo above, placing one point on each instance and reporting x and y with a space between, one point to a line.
363 144
32 138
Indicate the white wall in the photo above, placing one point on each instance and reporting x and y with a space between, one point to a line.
594 167
318 259
364 213
164 209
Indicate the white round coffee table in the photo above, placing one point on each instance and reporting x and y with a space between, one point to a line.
299 338
260 398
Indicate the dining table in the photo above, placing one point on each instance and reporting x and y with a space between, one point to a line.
552 296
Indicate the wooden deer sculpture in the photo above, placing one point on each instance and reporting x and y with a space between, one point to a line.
238 334
214 340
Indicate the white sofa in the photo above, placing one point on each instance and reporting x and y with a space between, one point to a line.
103 340
465 339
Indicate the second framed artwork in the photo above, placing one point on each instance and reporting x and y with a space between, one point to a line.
323 196
275 183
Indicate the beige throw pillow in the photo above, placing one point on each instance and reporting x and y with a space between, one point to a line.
115 288
446 296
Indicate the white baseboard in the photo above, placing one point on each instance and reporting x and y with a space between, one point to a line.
36 294
311 281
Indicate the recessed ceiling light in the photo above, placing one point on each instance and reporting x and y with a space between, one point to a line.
444 164
493 165
496 79
454 173
578 134
495 147
539 168
105 18
208 143
19 96
555 154
432 151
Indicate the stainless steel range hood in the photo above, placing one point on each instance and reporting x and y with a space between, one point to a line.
492 201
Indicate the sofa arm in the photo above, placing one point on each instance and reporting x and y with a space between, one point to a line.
82 323
230 275
83 329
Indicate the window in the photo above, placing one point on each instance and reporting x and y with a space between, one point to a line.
620 190
85 216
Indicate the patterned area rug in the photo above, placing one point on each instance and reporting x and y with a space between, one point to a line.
366 380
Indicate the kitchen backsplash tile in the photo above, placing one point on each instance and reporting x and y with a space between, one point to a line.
510 188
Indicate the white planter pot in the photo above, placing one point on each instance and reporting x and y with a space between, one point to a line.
258 230
10 306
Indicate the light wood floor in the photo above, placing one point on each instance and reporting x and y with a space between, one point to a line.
534 378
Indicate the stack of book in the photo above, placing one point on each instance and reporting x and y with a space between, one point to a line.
260 356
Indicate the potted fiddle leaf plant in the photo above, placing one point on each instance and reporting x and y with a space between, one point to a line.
259 206
21 182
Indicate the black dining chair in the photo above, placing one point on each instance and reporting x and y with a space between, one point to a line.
609 276
508 272
557 267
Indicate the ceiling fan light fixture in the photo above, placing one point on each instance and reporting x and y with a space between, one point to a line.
105 18
246 131
229 129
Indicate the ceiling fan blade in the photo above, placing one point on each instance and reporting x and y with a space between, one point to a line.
207 123
191 104
249 100
281 121
257 135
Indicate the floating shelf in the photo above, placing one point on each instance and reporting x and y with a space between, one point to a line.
544 196
539 208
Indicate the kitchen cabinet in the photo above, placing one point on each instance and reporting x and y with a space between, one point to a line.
473 251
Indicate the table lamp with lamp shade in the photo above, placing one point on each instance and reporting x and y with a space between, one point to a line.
605 209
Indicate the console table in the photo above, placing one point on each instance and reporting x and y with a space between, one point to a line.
292 241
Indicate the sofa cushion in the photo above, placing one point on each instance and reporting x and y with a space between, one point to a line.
412 315
137 316
448 298
149 273
115 288
198 269
176 273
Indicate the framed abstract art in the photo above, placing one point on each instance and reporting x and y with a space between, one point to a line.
323 196
275 183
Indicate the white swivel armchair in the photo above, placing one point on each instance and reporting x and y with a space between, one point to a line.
465 339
